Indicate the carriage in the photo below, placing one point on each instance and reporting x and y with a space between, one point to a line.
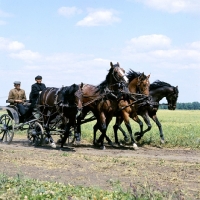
11 121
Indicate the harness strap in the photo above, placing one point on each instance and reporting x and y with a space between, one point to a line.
134 102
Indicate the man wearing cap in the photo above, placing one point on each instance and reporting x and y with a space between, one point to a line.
36 89
17 97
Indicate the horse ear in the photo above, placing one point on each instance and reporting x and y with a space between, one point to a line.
177 86
111 64
148 76
81 86
118 64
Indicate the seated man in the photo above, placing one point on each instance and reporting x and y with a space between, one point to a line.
17 97
35 90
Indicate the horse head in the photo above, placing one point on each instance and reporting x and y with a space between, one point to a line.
143 84
118 73
172 98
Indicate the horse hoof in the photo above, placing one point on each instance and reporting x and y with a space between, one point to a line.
135 147
78 142
126 139
53 145
96 143
110 143
103 148
162 141
119 144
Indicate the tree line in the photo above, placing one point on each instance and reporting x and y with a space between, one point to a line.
184 106
181 106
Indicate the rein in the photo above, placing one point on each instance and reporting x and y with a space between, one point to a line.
136 101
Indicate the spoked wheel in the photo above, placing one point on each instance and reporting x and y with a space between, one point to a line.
35 134
6 129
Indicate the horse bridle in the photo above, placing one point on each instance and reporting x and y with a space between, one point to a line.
175 91
139 89
116 76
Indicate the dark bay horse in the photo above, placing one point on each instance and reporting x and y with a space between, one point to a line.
66 102
102 99
127 108
158 90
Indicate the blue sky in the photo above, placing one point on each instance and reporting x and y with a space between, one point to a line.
74 41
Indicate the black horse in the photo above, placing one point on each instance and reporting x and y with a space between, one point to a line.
158 90
66 102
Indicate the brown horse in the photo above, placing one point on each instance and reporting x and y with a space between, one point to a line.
158 90
102 100
66 102
128 108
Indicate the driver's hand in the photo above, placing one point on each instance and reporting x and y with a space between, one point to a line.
18 101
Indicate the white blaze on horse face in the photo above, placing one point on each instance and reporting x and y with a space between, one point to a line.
123 75
125 78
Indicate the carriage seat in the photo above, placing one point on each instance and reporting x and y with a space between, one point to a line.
26 106
27 102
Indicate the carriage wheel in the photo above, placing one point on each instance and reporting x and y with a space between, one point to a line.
35 134
6 128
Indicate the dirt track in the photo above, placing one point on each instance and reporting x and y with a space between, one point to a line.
164 169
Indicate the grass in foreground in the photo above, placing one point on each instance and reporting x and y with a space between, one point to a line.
21 188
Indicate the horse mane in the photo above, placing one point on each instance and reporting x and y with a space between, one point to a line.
104 84
132 75
158 84
68 93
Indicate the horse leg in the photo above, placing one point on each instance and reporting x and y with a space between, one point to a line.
95 129
124 133
147 121
128 126
155 119
78 125
116 127
102 136
78 128
104 124
49 139
66 135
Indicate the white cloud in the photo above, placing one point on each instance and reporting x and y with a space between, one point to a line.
8 45
69 11
194 45
173 6
157 50
26 55
2 22
99 18
4 14
149 42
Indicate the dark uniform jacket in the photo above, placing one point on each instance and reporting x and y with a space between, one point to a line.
15 94
35 89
